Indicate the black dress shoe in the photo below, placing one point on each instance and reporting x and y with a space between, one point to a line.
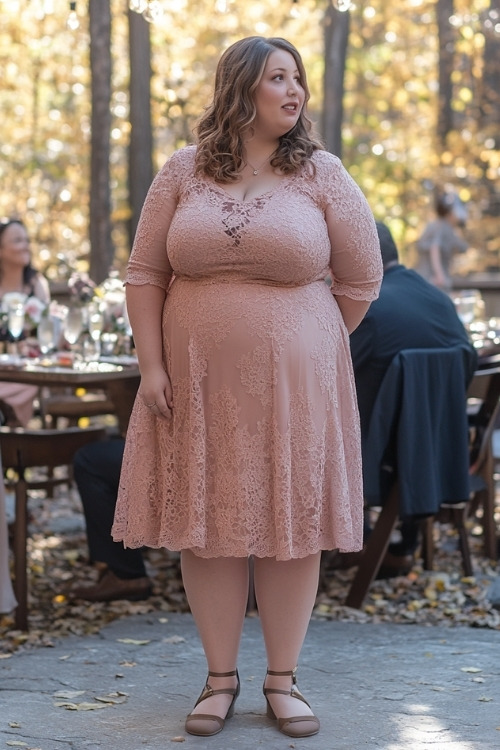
111 588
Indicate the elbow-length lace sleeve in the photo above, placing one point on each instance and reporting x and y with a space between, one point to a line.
355 261
149 263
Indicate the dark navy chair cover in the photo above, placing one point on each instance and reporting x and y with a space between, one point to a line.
418 432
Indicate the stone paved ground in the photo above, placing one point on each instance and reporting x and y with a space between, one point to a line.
395 687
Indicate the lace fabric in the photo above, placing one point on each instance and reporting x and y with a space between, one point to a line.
262 455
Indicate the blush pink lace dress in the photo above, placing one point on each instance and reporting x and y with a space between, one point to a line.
262 455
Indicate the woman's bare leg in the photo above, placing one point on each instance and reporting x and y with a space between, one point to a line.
285 593
217 592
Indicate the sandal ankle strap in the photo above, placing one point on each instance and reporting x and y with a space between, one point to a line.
289 673
223 674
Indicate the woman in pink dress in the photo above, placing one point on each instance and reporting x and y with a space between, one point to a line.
244 438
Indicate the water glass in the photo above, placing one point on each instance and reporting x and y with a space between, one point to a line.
15 322
45 334
73 325
469 305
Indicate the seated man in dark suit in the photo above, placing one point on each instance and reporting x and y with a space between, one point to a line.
97 468
410 313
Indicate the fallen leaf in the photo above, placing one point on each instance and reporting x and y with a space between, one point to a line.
133 641
174 639
180 738
80 706
68 693
14 724
485 699
16 743
470 669
115 699
128 664
478 679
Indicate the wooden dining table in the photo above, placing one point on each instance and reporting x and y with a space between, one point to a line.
119 380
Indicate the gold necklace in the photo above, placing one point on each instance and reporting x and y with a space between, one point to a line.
256 170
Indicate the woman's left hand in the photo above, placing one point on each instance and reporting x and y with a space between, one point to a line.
156 393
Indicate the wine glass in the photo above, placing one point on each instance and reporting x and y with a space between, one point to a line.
469 305
73 326
15 323
95 324
45 334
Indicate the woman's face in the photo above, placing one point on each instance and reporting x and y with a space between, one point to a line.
279 96
14 246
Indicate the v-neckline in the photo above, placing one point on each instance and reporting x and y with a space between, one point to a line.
267 194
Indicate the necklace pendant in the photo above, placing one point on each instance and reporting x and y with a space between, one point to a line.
256 171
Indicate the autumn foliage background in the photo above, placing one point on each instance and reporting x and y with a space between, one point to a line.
404 131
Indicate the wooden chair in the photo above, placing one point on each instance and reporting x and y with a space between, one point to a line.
485 391
483 406
22 450
417 441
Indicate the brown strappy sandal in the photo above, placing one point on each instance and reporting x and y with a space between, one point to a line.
288 725
205 725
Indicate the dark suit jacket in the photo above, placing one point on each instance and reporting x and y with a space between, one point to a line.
418 432
410 313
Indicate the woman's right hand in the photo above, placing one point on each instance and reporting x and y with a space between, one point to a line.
156 392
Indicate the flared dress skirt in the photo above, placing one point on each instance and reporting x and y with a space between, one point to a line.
261 455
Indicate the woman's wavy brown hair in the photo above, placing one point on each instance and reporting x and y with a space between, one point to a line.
219 131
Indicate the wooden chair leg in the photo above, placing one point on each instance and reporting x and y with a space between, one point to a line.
20 555
488 505
458 514
375 550
427 528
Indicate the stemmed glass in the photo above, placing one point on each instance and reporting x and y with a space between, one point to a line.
45 334
16 323
469 305
73 326
95 325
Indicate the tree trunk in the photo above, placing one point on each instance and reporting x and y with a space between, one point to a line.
336 38
490 115
444 10
490 102
140 166
101 243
